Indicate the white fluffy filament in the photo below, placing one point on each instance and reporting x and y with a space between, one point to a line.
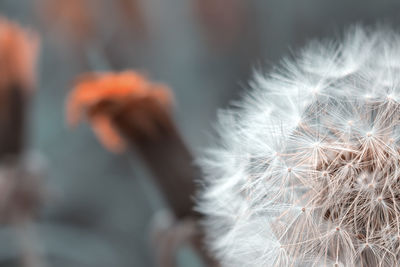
308 169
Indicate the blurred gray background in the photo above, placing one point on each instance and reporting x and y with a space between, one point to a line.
101 204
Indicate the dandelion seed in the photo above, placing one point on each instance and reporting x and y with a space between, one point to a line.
340 205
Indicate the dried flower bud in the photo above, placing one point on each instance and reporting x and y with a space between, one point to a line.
104 97
18 54
308 171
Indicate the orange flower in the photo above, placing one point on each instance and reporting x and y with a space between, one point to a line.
104 96
18 54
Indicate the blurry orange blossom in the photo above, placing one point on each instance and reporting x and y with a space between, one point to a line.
103 96
18 54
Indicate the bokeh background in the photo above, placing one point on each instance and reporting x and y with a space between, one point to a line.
102 205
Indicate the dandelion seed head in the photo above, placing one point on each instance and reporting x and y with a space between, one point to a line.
320 185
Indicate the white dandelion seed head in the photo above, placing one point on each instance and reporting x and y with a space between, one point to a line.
307 172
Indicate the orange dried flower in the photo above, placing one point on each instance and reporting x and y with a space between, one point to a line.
18 54
103 96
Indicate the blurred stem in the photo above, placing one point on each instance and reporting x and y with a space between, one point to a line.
29 243
169 160
171 163
167 157
12 122
13 111
165 153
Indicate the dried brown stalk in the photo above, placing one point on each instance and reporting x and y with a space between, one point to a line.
20 190
127 108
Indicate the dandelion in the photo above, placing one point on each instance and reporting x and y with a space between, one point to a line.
307 173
